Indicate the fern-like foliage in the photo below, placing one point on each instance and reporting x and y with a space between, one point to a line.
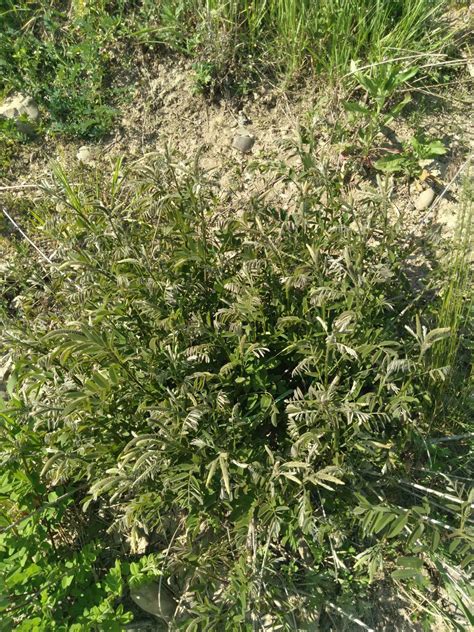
257 392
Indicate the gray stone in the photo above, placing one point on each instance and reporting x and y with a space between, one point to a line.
154 599
243 142
19 107
424 200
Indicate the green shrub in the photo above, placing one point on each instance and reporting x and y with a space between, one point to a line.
254 390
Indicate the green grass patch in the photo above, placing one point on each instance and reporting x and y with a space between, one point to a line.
67 57
243 40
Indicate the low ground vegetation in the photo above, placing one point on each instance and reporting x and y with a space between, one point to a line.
66 58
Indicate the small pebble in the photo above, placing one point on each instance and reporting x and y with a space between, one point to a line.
425 200
243 142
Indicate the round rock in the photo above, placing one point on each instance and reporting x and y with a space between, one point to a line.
425 200
243 142
85 156
155 599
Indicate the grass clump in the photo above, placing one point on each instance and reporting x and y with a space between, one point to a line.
245 39
248 401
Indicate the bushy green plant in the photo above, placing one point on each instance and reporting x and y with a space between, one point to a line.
10 139
256 390
378 110
203 77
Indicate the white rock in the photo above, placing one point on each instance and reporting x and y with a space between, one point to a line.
243 118
85 155
23 110
19 105
424 200
154 599
426 163
435 168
